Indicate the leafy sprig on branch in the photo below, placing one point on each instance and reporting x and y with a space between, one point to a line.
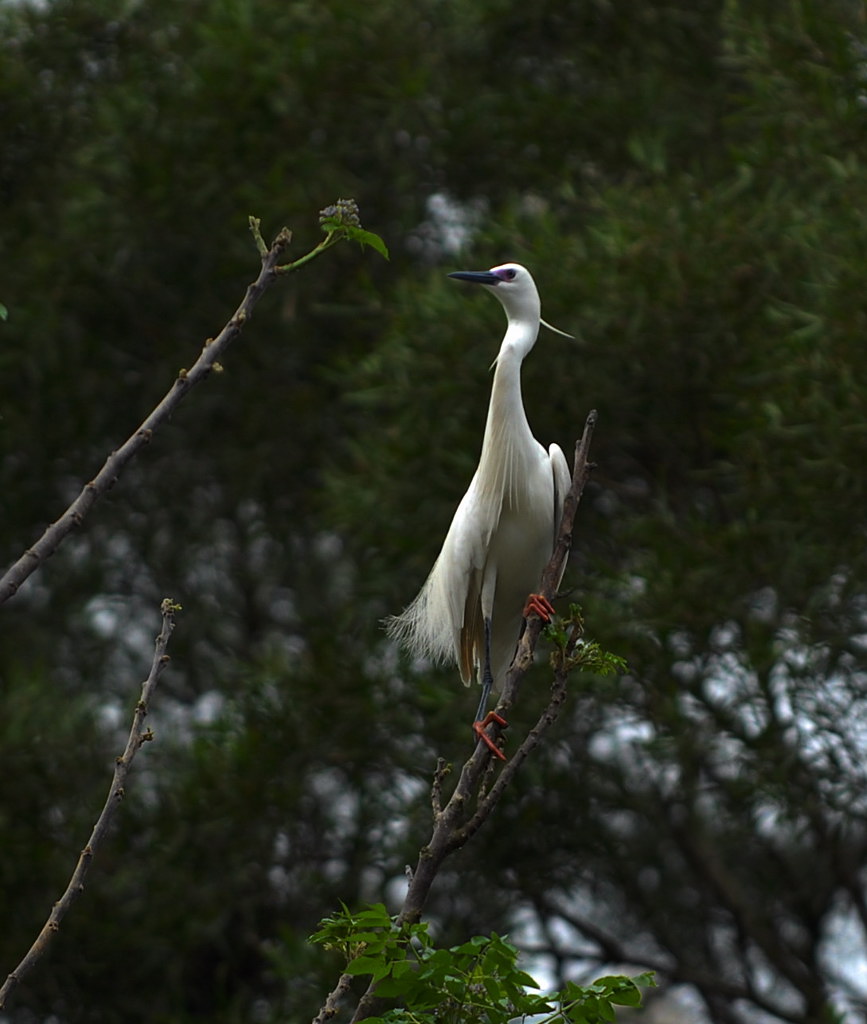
476 982
341 221
572 651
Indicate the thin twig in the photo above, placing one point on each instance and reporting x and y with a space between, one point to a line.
454 824
208 361
138 735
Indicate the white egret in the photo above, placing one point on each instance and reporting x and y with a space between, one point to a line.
471 608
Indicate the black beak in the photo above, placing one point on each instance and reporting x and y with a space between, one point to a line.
476 276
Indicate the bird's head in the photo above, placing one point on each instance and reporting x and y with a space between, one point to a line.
515 288
512 284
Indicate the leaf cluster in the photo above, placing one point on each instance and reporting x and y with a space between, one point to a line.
476 981
574 651
341 220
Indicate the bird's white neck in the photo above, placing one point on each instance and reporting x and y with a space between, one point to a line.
507 431
521 334
506 411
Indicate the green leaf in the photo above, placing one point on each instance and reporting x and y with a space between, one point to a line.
4 312
374 915
367 965
493 988
646 980
402 981
364 237
522 978
473 945
627 996
620 989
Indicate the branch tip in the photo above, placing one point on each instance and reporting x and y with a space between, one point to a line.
255 225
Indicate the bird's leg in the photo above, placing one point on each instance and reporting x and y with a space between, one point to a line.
487 674
539 605
481 724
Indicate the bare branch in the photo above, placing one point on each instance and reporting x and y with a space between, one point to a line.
330 1006
208 361
791 963
612 950
138 735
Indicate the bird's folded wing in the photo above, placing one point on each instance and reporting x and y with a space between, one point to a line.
562 483
471 640
463 559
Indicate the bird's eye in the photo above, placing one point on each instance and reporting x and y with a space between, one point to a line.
510 274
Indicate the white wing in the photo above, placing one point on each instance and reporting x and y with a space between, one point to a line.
443 622
562 483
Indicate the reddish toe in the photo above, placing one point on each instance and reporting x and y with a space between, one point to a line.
479 730
539 605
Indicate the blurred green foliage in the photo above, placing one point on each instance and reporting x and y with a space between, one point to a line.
687 182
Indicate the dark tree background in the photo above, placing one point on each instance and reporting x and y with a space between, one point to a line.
688 183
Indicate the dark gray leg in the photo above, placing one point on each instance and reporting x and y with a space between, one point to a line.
487 676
